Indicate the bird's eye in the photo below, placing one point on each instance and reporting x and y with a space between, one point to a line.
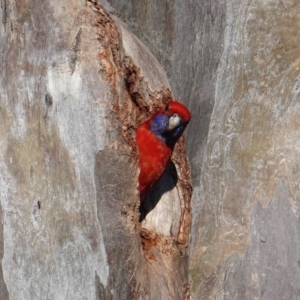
174 116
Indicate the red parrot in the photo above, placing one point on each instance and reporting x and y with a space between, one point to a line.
156 139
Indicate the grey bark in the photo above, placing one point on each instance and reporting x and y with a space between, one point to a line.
69 226
74 85
236 65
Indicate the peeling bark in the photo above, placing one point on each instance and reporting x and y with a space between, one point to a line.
236 65
75 85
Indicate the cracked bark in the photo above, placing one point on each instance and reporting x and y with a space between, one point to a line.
75 85
236 65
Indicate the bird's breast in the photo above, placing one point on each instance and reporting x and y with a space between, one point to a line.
154 156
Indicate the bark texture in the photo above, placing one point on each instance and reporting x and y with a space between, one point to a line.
236 64
74 85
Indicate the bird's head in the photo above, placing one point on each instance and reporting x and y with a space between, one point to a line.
169 123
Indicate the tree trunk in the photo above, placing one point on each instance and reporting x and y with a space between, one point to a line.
75 84
236 65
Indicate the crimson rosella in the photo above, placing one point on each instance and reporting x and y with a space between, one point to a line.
156 139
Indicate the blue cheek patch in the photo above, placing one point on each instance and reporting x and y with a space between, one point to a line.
158 127
159 124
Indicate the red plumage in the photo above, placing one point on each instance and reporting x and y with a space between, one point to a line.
154 153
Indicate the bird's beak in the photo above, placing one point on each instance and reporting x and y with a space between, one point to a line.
174 121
